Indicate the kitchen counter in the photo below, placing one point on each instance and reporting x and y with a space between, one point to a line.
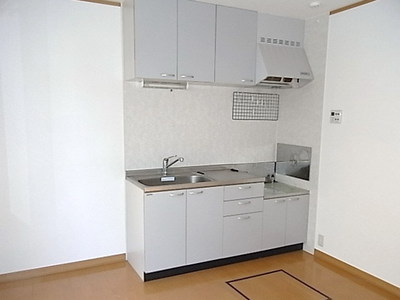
217 176
278 190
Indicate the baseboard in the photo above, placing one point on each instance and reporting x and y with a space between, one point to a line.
90 263
392 289
220 262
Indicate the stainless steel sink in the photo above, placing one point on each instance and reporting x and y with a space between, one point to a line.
168 180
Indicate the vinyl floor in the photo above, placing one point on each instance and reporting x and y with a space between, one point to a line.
296 275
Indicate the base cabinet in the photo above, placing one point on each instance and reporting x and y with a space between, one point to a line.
204 224
243 205
182 227
176 231
296 220
285 221
164 230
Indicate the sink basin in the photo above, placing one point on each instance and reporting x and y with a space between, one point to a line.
180 179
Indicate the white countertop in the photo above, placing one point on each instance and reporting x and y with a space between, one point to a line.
278 190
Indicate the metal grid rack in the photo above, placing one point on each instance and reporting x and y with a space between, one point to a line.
255 106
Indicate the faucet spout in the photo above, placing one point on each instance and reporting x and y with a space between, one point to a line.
167 164
181 159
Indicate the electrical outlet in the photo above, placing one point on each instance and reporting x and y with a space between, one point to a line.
320 240
336 116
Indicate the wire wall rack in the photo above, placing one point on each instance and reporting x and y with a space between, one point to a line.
255 106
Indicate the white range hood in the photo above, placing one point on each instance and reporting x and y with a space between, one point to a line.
282 66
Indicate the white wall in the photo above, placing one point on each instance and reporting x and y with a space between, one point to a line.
359 208
301 114
61 133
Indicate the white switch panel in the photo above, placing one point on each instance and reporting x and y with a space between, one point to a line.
320 240
336 116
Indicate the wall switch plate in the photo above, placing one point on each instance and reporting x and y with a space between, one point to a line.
320 240
336 116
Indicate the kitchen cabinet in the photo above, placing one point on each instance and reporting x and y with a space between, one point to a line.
296 220
185 228
204 224
236 42
242 191
285 221
243 206
178 225
164 230
242 234
156 39
196 41
175 40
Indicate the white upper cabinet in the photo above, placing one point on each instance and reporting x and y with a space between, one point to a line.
196 41
236 42
156 39
175 39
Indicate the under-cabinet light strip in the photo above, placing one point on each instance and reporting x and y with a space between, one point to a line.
165 85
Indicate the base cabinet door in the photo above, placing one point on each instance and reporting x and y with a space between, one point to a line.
242 234
204 224
274 223
164 230
285 221
297 219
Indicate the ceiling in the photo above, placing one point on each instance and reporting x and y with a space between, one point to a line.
299 9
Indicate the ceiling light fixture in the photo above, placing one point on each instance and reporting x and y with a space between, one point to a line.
315 4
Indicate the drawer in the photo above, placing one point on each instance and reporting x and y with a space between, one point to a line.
242 191
243 206
242 234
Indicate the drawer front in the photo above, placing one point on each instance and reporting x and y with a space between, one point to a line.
242 234
243 206
244 191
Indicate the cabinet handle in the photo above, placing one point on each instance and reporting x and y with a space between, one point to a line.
187 76
167 75
176 194
247 80
243 218
244 202
247 187
196 193
294 199
280 201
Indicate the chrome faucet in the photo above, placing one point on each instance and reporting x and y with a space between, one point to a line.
166 164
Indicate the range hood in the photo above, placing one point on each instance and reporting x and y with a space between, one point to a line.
280 66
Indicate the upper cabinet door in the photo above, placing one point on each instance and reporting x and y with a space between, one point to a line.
236 43
196 41
156 39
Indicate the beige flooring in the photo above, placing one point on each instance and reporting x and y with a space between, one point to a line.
119 281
